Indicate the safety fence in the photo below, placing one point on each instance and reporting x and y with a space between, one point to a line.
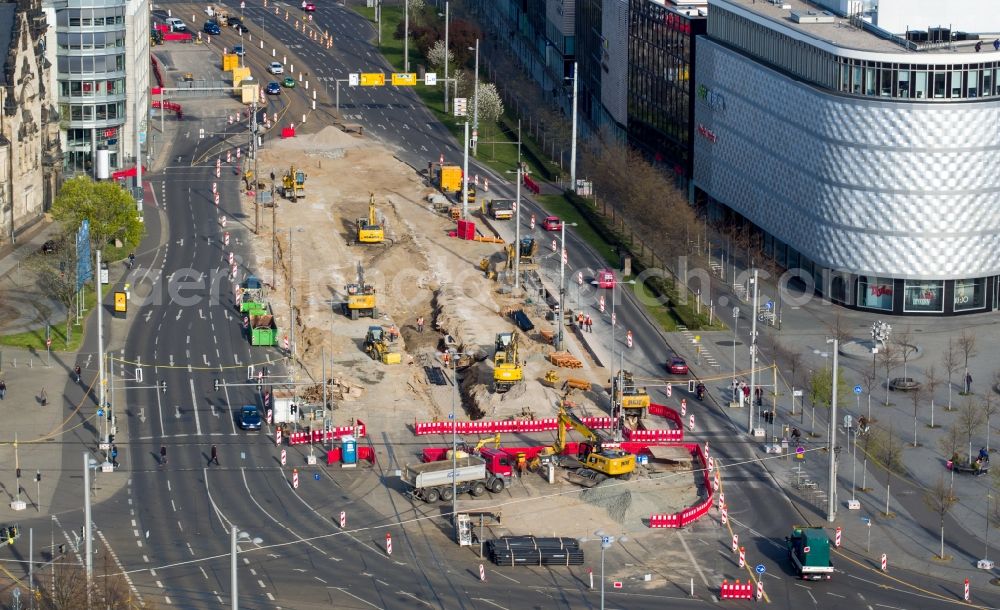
172 106
692 513
333 434
736 590
504 425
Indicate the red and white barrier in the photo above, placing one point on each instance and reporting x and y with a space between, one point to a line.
215 187
216 200
225 238
711 465
966 595
836 538
736 590
725 515
229 156
343 519
705 450
388 543
441 159
600 303
482 573
284 457
664 521
736 542
532 222
218 162
295 479
743 557
277 437
722 500
238 153
614 319
691 423
760 589
222 220
288 346
232 258
270 415
628 339
885 563
684 408
555 247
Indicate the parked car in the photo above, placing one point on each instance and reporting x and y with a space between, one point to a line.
249 418
677 366
552 223
288 82
276 68
605 278
240 28
309 7
176 25
273 88
212 27
239 50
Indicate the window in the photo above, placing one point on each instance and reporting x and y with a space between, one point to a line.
875 292
920 85
972 84
939 84
923 295
970 294
903 83
956 83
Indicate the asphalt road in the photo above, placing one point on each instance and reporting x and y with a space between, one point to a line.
176 541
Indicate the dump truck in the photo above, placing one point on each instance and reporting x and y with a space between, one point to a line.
293 184
633 400
809 552
501 209
475 474
507 369
263 329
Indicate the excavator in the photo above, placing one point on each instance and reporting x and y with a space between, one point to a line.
378 346
370 230
507 369
293 184
360 298
594 464
633 400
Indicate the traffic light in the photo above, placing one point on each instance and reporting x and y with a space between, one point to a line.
18 475
293 409
38 476
690 385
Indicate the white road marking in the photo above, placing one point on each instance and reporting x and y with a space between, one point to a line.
488 601
364 601
159 413
194 407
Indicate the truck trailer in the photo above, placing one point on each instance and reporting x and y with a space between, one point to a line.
475 474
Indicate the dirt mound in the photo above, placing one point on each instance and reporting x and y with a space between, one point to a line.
637 499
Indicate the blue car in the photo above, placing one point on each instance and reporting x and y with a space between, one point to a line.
238 49
249 418
212 27
273 88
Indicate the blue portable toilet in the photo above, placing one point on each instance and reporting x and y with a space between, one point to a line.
348 450
642 458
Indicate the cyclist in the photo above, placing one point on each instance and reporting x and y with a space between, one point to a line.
163 454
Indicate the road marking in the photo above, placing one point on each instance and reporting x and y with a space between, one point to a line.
203 572
172 505
177 411
229 405
269 596
809 592
414 597
180 526
159 413
364 601
836 595
694 562
508 577
488 601
179 312
189 339
194 407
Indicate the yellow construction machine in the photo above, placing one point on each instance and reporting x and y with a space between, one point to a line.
633 400
293 184
595 462
379 346
507 369
525 251
370 230
360 298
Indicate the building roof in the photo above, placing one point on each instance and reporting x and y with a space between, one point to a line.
8 24
824 25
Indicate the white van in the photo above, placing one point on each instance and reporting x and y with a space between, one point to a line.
176 25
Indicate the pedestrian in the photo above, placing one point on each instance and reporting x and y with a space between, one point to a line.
3 389
579 319
215 456
163 454
114 456
43 397
746 393
968 383
589 322
77 371
420 324
759 395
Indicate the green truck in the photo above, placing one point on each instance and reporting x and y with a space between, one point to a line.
263 329
809 552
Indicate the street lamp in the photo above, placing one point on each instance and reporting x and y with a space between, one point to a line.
562 277
572 148
831 507
235 535
736 326
447 26
606 542
753 353
475 101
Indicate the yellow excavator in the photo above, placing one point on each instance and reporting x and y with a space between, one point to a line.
293 184
507 369
378 346
634 400
595 462
370 230
360 298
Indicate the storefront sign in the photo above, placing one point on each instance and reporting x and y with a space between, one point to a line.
881 290
707 133
714 100
677 23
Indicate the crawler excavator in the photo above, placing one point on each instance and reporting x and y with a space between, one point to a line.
507 369
370 230
596 460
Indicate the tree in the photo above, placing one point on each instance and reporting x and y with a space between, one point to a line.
990 409
931 382
950 441
949 359
416 8
970 418
887 451
436 56
967 345
940 500
821 390
838 329
462 36
916 395
869 378
889 358
110 209
57 276
904 347
490 103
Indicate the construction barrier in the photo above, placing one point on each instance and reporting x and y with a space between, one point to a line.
333 456
531 185
692 513
512 425
334 434
736 590
171 106
667 413
664 521
665 436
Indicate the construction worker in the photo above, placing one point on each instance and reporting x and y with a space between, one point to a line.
393 333
579 319
420 324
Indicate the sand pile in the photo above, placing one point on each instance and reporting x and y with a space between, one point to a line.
637 499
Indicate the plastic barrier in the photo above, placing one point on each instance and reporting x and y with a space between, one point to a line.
178 36
513 425
736 590
318 436
666 436
173 106
692 513
531 185
156 70
664 521
287 132
667 413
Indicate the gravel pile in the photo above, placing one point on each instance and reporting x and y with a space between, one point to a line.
633 501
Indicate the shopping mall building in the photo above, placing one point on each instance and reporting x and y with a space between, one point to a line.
864 155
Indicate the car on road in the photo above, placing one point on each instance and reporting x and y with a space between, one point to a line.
605 278
552 223
273 88
677 366
239 50
212 27
241 29
176 25
276 68
309 7
249 418
289 82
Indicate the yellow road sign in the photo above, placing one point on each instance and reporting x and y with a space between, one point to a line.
121 305
372 79
404 79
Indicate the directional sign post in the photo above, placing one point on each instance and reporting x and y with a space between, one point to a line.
372 79
760 569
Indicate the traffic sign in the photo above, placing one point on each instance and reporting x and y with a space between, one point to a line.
460 104
848 420
430 78
353 79
403 79
867 521
800 450
372 79
769 305
760 569
617 584
857 389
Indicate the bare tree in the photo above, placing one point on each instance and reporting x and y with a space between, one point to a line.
887 450
916 395
967 345
57 277
990 408
794 360
951 441
949 359
904 347
970 417
931 382
889 358
940 500
869 378
838 329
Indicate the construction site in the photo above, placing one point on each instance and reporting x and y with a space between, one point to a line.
414 322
